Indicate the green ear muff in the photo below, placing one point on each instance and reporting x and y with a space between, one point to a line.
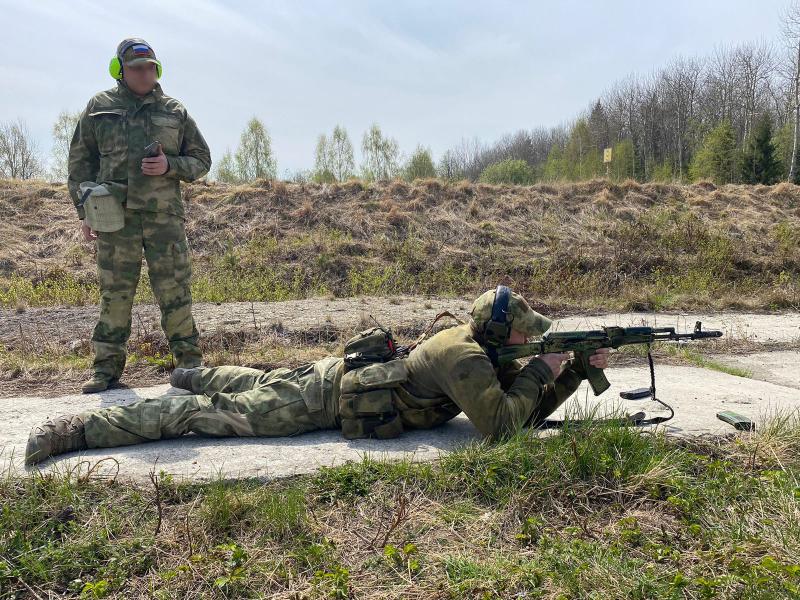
115 68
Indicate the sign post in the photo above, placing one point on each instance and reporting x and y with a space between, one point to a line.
607 160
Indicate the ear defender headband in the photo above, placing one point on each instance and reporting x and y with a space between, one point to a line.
115 66
497 331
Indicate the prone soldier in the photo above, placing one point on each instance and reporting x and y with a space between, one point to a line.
450 373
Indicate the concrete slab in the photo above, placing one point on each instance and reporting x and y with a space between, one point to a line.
205 458
781 367
696 395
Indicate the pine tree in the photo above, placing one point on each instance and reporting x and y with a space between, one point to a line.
782 142
718 158
759 164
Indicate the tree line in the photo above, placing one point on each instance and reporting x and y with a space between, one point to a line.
730 117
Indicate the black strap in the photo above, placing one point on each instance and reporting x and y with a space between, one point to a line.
491 352
85 195
654 420
502 297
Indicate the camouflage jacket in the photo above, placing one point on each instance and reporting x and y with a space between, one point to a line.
109 141
451 373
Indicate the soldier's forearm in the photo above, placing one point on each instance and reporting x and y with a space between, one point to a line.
555 395
523 399
186 168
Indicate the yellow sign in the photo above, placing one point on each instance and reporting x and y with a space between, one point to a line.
607 155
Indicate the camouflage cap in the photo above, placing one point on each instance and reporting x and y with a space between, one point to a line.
523 318
135 51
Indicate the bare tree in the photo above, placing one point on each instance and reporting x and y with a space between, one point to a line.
19 156
381 155
720 87
63 130
463 161
254 157
791 34
755 64
680 84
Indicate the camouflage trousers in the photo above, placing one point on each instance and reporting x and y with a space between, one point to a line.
234 401
119 263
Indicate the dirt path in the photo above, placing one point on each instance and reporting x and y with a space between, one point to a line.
761 343
71 323
77 322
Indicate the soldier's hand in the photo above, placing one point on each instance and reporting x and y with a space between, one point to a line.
88 233
157 165
600 358
555 362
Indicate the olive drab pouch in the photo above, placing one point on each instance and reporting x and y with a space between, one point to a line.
103 211
366 408
374 345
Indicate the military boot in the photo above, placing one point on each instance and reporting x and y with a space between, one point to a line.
186 379
56 436
98 383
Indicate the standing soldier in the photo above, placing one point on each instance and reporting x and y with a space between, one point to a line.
109 149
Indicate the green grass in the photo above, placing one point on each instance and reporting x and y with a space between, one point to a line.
697 359
688 355
15 362
666 259
558 284
594 512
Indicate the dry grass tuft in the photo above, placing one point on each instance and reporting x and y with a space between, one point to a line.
592 244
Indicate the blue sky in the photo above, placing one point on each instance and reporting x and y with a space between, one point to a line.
427 72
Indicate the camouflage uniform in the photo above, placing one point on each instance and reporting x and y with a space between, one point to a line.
235 401
448 374
108 147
